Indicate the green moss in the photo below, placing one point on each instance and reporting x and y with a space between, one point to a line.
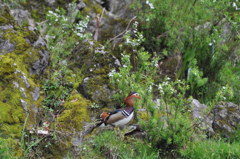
9 148
18 39
7 68
3 20
143 115
76 112
13 66
5 16
15 69
92 6
11 111
105 70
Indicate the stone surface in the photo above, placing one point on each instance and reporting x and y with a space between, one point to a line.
222 120
36 94
50 2
23 16
95 66
6 46
226 118
81 5
24 105
40 65
115 16
202 116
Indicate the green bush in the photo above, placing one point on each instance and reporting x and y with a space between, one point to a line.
137 70
55 93
168 124
196 30
62 35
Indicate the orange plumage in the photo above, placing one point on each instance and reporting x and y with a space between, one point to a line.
104 116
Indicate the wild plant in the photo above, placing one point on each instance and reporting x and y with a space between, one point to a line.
168 122
62 35
199 34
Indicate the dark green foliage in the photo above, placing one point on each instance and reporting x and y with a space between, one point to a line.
55 94
169 126
235 136
62 36
200 31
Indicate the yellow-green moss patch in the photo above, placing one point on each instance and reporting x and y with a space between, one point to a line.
75 113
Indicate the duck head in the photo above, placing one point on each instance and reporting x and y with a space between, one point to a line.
129 100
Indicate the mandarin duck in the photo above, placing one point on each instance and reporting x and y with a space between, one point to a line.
122 116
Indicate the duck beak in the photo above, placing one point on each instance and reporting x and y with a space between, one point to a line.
136 96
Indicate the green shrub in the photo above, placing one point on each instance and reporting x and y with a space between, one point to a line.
62 36
137 70
55 93
196 29
168 125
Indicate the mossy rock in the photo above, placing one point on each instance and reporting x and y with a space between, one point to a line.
95 63
226 118
75 112
5 16
115 16
17 84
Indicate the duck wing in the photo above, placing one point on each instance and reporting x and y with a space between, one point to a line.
115 117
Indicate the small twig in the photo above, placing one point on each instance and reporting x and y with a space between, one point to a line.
98 22
162 35
122 33
102 14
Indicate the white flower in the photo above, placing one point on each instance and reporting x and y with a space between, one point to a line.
150 4
150 88
110 74
128 41
234 5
